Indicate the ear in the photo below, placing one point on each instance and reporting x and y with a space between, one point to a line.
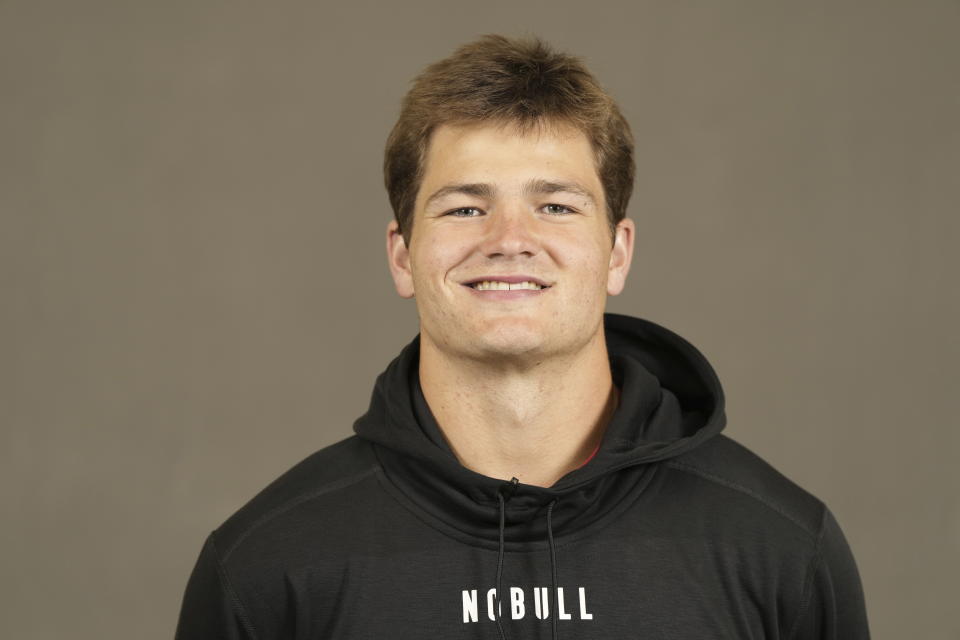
620 256
398 257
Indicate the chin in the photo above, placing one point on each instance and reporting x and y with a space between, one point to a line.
512 348
511 339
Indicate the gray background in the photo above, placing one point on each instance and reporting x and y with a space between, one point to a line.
195 293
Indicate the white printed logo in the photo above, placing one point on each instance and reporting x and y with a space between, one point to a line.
519 604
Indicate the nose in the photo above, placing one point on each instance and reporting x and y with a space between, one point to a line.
510 232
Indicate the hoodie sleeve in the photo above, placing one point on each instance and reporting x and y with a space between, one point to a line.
833 606
211 609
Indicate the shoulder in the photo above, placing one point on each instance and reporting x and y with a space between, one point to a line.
323 481
736 474
294 529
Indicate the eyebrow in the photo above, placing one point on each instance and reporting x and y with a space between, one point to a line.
477 189
540 187
536 186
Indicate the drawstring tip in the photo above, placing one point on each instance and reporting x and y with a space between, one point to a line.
508 489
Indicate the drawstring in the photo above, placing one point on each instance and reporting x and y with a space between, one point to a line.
500 565
553 566
509 489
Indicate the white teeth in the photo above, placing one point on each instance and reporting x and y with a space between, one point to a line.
496 285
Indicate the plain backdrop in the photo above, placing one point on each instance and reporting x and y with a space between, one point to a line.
195 293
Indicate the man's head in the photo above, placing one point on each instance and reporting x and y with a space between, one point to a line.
497 80
505 230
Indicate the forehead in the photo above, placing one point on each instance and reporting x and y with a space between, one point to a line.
505 151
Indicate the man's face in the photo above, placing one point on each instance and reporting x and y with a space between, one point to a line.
498 210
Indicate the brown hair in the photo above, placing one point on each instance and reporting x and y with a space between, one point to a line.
503 80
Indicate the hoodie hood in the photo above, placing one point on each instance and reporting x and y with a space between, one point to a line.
671 401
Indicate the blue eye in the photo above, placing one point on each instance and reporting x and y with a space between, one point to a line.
557 209
464 212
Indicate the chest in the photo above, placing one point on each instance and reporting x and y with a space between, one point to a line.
647 589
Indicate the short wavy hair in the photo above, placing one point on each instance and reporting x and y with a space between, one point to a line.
507 81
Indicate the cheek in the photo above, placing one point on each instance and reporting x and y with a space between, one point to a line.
587 257
435 258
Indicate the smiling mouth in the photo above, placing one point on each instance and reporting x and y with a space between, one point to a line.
497 285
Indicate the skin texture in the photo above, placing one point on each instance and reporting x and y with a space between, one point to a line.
519 381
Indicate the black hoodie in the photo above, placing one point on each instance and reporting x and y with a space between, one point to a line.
670 531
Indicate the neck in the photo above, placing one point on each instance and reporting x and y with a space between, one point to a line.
536 423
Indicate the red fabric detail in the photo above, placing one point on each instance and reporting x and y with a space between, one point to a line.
590 457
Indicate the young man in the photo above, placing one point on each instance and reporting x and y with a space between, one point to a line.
529 467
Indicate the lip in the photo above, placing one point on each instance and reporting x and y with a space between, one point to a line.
510 279
501 295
